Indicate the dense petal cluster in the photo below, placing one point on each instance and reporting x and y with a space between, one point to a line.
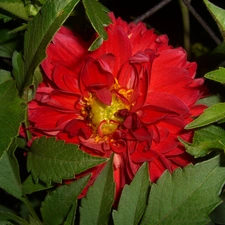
131 97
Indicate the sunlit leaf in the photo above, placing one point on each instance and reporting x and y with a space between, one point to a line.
15 7
205 140
218 15
51 160
187 196
210 115
96 206
217 75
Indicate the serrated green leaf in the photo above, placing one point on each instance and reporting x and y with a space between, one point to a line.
10 177
4 76
11 113
133 200
15 7
96 44
58 204
71 216
97 14
8 43
210 115
29 186
187 196
205 140
7 216
218 15
217 75
96 207
51 160
40 32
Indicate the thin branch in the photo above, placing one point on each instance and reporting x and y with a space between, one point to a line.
186 26
202 22
151 11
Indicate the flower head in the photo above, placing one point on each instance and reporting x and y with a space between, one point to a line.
131 97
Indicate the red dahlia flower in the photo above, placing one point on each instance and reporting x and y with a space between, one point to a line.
131 97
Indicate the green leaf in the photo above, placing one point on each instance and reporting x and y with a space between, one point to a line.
97 14
218 214
29 186
58 204
218 15
133 200
18 69
71 216
210 115
7 216
96 207
8 43
11 113
205 140
15 7
96 44
10 177
210 100
187 196
4 76
217 75
39 33
51 160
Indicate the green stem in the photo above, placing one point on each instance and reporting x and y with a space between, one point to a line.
31 210
186 26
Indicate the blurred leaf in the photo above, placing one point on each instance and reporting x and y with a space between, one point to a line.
39 33
97 14
218 15
18 69
58 204
7 216
133 200
11 113
29 186
96 44
218 214
210 115
10 177
205 140
4 76
4 17
15 7
187 196
33 221
8 43
96 206
217 75
71 216
51 160
210 100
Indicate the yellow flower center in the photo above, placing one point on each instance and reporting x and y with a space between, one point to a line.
104 118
